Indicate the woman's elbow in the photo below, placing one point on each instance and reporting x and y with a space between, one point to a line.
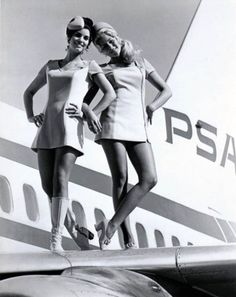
168 91
28 93
111 94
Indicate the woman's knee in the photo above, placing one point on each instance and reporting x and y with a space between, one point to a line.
60 184
149 181
48 188
120 180
154 181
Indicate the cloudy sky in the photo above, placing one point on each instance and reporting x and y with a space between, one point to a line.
32 32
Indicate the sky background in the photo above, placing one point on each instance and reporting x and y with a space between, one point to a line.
32 32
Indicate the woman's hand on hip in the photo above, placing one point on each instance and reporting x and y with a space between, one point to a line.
37 119
74 111
94 124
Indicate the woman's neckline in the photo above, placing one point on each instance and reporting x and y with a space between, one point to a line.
71 65
120 64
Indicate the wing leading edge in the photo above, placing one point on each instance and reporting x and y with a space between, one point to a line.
209 269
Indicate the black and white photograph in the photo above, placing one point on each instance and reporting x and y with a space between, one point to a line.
117 148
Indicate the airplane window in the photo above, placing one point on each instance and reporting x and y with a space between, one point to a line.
142 236
160 242
79 214
175 241
6 200
99 215
31 203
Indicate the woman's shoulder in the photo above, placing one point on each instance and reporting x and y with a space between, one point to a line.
93 67
107 67
92 63
142 62
139 60
51 64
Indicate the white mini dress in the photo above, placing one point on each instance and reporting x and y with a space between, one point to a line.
64 87
126 119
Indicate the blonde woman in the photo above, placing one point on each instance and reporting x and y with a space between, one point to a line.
124 127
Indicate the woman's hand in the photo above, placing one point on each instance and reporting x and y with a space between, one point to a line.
150 112
37 120
74 111
93 122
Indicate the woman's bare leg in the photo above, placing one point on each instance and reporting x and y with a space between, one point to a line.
117 159
141 156
65 158
46 160
46 164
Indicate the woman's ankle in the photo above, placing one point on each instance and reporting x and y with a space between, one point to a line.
111 229
128 238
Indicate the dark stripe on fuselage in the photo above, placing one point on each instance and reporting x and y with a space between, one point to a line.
102 183
34 236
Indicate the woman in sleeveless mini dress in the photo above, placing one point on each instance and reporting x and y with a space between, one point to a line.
60 136
124 127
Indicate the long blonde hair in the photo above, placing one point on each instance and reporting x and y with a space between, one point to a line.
128 53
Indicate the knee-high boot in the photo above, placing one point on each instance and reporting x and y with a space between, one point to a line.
58 213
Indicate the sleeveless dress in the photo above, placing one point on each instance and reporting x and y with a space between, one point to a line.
125 119
64 87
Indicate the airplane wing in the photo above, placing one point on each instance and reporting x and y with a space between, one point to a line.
177 271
